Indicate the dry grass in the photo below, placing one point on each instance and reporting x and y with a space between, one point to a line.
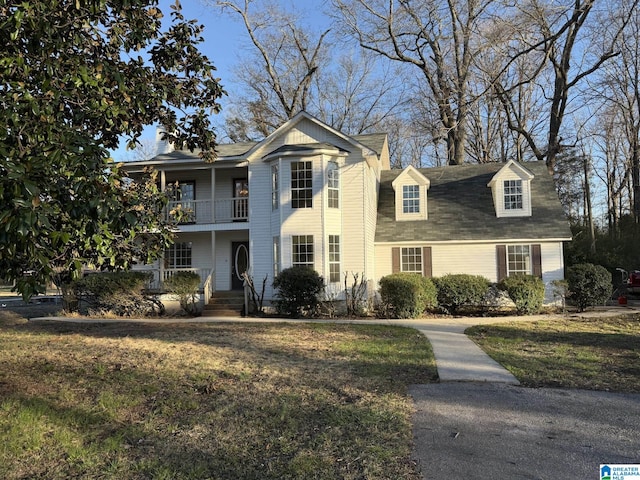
198 401
594 354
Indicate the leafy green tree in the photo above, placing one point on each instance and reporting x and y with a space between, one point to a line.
77 76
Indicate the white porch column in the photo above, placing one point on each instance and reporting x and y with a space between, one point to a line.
213 259
163 187
213 197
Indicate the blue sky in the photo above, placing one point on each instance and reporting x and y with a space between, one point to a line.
224 40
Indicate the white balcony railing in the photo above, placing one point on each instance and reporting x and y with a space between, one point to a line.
225 210
205 274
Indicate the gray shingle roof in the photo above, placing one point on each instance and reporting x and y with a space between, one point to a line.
224 150
374 141
460 207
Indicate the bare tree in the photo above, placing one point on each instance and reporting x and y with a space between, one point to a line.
280 71
437 38
146 148
290 66
563 43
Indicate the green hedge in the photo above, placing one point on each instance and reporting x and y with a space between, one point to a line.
298 291
406 295
589 285
121 293
457 290
526 291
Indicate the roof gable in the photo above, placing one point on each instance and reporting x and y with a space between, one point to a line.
262 148
513 168
411 175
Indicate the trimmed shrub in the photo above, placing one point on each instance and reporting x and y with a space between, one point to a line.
185 286
406 295
121 293
298 291
589 285
526 291
457 290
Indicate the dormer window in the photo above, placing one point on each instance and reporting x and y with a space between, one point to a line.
513 194
410 199
511 189
410 188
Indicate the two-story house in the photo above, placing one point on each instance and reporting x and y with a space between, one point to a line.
310 195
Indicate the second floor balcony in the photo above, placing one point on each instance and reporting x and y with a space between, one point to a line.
223 210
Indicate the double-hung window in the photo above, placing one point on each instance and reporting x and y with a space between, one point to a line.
513 194
275 187
179 255
334 258
333 184
301 185
411 260
410 199
518 260
276 256
302 250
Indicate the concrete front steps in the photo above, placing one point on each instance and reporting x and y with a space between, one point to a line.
224 304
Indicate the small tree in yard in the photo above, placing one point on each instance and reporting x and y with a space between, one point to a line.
77 77
589 285
299 290
185 286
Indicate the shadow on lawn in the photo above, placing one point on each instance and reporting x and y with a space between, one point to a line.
615 341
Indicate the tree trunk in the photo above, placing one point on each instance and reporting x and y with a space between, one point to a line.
587 204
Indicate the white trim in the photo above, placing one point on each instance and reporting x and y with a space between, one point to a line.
366 151
506 241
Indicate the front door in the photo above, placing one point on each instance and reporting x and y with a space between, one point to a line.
239 263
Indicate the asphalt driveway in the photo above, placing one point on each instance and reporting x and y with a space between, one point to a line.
471 430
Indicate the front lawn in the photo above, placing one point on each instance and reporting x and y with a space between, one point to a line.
198 401
595 354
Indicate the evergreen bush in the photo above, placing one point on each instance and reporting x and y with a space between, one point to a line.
457 290
526 291
406 295
298 291
589 285
185 286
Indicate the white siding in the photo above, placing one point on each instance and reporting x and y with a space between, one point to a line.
552 266
475 259
261 218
